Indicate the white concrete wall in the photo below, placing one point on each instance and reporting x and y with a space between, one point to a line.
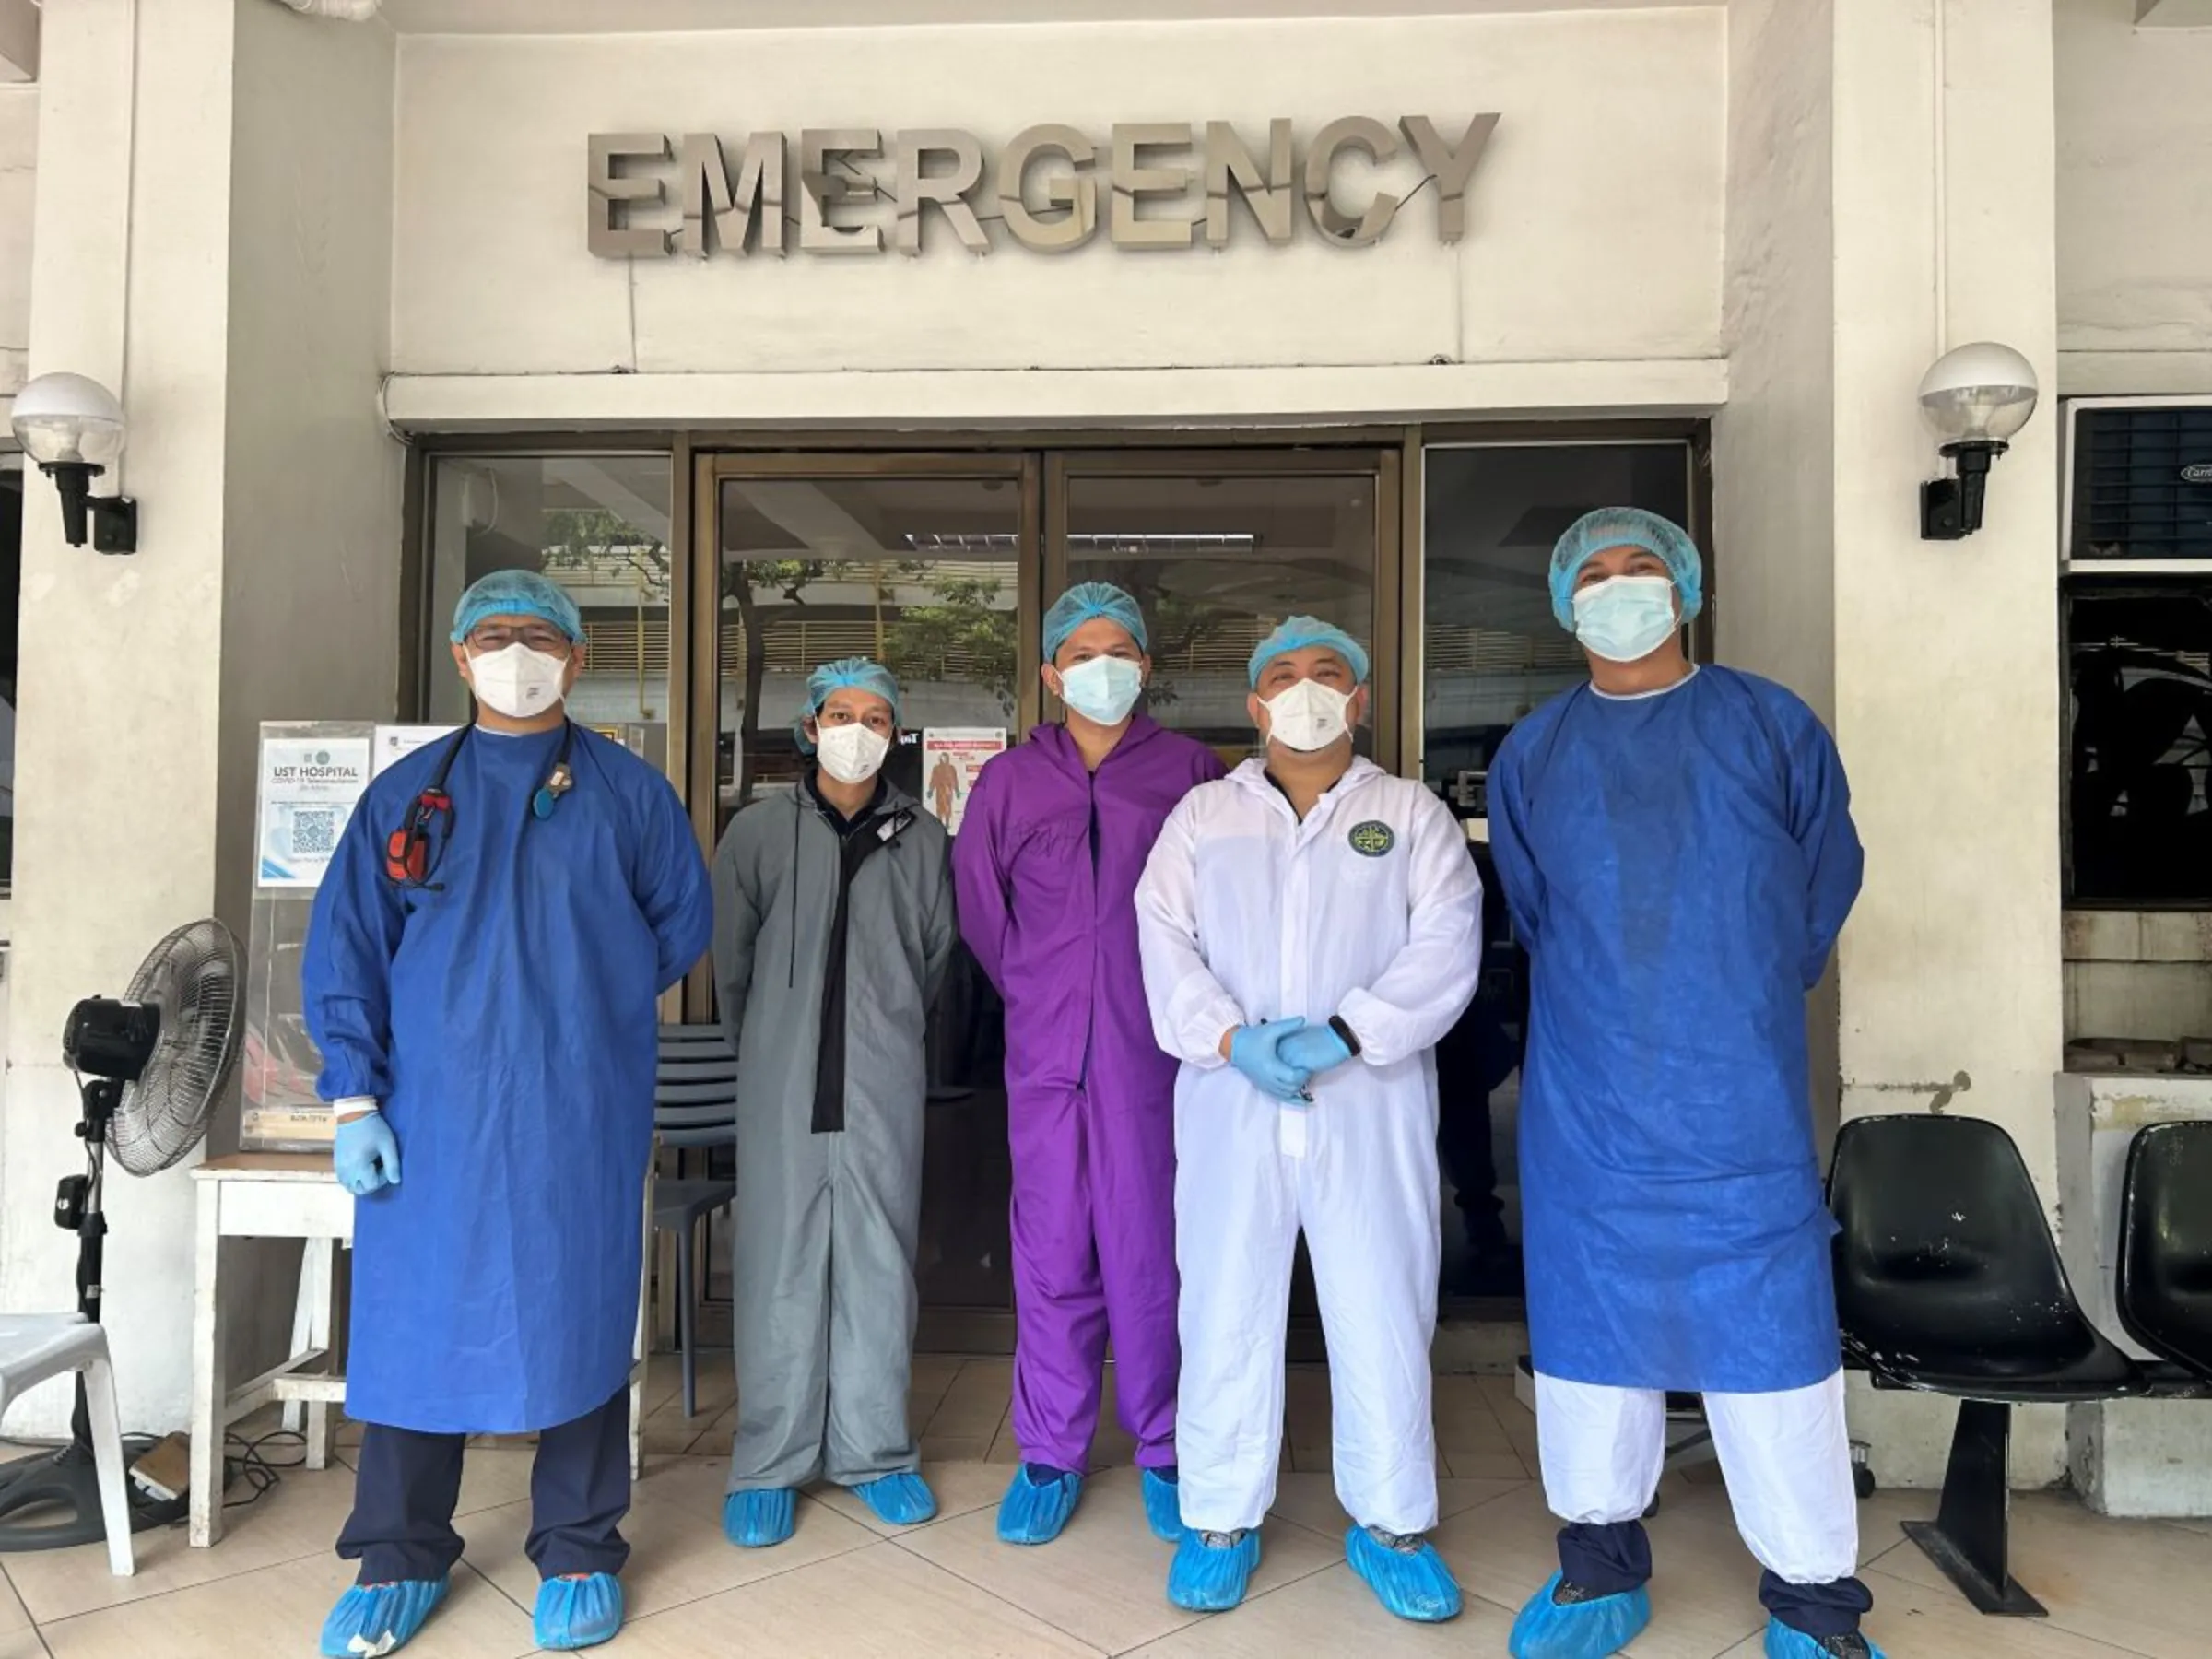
1594 229
2134 202
1773 584
18 175
312 479
119 720
256 313
1889 193
1774 513
1947 669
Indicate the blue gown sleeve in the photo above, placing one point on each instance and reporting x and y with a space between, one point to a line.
985 891
1820 824
670 884
345 966
1517 872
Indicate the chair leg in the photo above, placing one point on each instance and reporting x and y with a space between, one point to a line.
685 1319
1970 1536
107 1459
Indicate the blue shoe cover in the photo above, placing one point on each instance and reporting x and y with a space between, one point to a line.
1212 1569
1163 1505
578 1612
373 1620
1412 1583
1038 1503
902 1499
1783 1642
1585 1629
758 1520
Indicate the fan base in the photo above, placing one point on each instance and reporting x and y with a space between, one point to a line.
59 1493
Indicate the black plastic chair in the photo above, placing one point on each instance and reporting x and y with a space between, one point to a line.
2165 1275
694 1106
1947 1281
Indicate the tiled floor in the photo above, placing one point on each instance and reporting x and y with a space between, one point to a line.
844 1586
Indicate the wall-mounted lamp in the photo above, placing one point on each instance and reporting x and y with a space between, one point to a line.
73 428
1976 397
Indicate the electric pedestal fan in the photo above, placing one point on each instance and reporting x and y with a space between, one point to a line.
149 1069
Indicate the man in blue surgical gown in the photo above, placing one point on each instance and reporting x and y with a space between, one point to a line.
1675 843
481 974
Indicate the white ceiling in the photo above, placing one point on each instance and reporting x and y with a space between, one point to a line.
633 17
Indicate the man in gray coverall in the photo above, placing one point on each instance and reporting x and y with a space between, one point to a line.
833 922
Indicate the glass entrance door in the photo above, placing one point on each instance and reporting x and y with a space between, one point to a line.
939 566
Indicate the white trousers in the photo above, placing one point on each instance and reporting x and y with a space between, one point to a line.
1786 1458
1366 1194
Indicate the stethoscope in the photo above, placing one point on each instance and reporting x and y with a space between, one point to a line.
412 851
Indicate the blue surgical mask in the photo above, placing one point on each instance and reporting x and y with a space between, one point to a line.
1104 690
1625 618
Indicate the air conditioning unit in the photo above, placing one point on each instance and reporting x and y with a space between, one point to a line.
2138 486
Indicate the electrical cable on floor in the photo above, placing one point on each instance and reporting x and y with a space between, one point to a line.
243 1460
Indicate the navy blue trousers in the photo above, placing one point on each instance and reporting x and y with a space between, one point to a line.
401 1525
1612 1561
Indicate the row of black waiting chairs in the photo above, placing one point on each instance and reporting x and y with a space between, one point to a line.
694 1109
1947 1281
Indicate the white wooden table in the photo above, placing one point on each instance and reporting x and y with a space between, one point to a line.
297 1195
263 1196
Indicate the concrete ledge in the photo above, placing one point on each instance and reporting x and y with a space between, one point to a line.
970 399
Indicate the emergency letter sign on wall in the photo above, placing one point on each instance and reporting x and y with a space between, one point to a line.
1168 186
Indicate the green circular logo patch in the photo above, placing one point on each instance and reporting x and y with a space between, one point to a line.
1373 839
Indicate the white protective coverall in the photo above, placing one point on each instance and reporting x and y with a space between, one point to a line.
1370 909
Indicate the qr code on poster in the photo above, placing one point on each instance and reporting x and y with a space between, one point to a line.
314 831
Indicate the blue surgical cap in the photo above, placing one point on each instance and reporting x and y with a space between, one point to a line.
517 593
861 673
1086 602
1625 527
1298 633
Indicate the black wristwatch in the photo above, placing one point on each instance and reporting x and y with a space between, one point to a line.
1350 1041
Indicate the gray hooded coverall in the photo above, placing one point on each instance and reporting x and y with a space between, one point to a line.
830 940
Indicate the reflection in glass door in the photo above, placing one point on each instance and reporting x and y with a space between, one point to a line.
939 566
926 564
1492 651
599 526
1218 548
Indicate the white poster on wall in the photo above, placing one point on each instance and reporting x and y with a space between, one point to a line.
395 743
951 757
309 788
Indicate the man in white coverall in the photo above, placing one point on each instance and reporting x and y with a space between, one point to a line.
1311 926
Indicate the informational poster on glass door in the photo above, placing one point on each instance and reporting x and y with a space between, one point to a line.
312 777
309 788
951 757
395 743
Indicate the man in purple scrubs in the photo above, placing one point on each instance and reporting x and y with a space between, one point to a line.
1046 864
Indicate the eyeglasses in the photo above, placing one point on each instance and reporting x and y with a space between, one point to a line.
540 637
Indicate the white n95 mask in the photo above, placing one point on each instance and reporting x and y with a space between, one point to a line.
851 754
1308 717
517 681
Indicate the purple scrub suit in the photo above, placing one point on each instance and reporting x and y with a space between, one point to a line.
1046 864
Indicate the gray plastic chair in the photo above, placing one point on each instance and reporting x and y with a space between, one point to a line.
694 1106
34 1347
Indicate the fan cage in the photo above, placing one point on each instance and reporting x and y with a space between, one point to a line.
194 978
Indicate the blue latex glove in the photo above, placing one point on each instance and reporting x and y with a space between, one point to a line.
1316 1047
367 1154
1256 1052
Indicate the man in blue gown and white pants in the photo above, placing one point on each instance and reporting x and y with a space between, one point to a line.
1675 844
488 948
